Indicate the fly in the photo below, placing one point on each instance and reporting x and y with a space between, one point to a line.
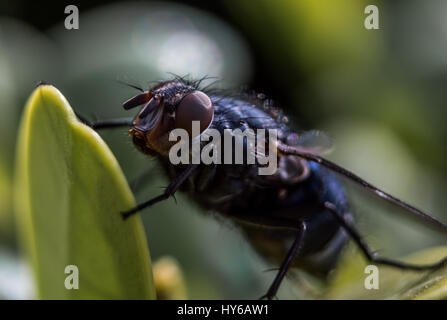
298 217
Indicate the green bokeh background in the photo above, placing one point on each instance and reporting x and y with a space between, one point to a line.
380 94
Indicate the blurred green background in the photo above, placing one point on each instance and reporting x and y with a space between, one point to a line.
380 94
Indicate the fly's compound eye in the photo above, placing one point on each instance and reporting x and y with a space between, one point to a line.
196 106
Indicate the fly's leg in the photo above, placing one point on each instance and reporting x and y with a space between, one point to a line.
105 124
369 253
169 191
112 123
291 254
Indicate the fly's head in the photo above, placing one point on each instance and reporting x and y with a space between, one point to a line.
167 106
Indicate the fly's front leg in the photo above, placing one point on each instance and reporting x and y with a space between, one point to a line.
105 124
291 254
369 253
169 191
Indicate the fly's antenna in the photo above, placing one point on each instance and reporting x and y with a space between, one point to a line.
138 100
289 150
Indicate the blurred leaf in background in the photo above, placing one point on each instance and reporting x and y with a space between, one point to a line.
350 278
25 56
169 281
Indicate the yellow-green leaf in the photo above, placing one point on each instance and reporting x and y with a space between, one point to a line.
69 193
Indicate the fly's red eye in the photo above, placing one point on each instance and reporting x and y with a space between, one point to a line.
196 106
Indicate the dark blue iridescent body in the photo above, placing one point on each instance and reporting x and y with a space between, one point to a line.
267 208
296 217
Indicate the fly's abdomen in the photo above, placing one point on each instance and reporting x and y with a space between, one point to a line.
324 238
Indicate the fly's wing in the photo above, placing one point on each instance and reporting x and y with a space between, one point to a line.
313 141
383 215
391 229
412 211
